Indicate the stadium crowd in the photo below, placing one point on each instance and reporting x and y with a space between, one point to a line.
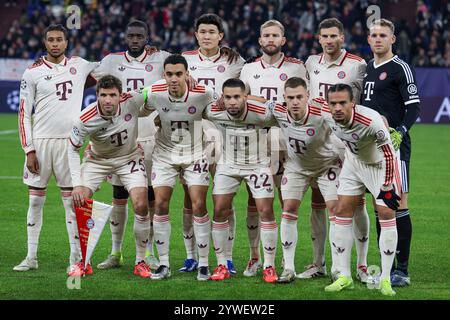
172 27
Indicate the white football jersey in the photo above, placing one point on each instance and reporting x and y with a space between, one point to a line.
244 138
310 148
110 137
267 80
181 118
366 138
212 71
347 68
135 74
56 92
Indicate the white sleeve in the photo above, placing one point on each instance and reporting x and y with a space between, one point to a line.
76 140
100 68
27 99
357 85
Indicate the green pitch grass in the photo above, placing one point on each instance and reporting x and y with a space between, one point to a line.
429 204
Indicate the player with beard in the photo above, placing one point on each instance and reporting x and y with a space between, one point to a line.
335 65
53 88
266 77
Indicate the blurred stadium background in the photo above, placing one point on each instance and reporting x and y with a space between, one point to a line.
422 30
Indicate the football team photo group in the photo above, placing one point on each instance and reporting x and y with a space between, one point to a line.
220 169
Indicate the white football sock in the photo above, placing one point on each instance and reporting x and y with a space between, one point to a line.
71 225
361 226
387 245
151 238
188 233
162 230
343 242
331 234
119 217
141 231
220 233
289 235
231 236
318 232
269 237
34 220
202 231
253 229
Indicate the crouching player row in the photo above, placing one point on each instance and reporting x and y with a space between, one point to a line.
312 159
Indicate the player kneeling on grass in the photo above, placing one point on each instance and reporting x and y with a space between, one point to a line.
369 163
111 124
311 161
244 157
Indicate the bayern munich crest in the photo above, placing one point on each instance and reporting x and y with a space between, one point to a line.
73 70
192 110
355 136
90 224
128 117
149 68
153 175
382 76
284 181
25 176
283 77
341 74
221 69
310 132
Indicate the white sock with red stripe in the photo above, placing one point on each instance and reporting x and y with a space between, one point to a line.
141 232
269 238
318 232
289 235
71 225
387 245
230 239
253 229
34 220
343 243
220 233
361 226
119 217
202 231
331 234
188 233
162 230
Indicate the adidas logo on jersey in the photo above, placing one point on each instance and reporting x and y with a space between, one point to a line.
48 78
121 68
256 76
316 72
165 109
193 68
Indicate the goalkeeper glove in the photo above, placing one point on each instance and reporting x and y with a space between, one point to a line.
389 197
397 136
